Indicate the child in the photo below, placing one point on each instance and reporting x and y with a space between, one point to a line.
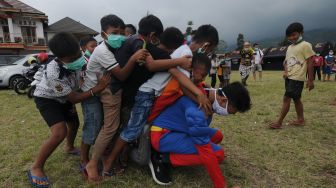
245 62
88 46
107 103
55 96
257 62
226 69
329 62
131 52
130 30
182 135
220 73
213 70
299 59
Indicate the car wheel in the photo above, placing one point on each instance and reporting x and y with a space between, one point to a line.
14 80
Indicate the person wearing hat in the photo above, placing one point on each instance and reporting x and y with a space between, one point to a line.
246 62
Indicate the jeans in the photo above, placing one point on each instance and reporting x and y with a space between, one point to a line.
140 111
93 119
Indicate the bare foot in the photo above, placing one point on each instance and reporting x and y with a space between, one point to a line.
275 125
92 172
297 123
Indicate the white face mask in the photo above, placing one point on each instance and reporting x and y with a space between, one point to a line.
218 109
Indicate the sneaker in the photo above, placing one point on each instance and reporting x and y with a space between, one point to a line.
159 170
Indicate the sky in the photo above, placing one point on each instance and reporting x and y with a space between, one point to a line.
256 19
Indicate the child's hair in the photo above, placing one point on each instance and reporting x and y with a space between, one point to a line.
200 59
131 28
294 27
111 21
150 24
213 56
206 33
172 38
64 44
86 40
238 96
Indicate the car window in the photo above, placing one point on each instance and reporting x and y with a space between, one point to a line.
9 59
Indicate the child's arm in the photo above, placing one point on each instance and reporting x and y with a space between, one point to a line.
123 73
285 74
192 91
165 64
75 97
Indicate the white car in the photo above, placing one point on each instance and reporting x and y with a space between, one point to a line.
11 73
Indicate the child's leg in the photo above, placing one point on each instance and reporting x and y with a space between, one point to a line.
283 113
58 134
299 112
138 118
111 108
71 136
260 75
254 72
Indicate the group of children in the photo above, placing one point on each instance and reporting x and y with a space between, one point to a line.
127 81
221 67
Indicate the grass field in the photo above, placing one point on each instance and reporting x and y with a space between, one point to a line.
255 156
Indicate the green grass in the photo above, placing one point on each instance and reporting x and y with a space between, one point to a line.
255 155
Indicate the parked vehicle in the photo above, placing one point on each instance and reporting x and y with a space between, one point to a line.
23 85
13 72
9 59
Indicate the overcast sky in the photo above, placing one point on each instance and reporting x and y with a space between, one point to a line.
254 18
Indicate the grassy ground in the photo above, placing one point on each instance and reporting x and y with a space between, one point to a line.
255 155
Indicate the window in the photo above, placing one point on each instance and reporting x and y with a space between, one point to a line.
29 35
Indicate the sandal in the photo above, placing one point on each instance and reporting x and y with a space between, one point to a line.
82 169
40 182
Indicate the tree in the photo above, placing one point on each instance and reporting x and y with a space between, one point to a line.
189 28
284 42
240 41
221 47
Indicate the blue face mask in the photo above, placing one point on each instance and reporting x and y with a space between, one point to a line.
75 65
115 41
87 53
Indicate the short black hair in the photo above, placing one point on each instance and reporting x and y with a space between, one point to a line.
150 24
201 59
206 33
294 27
64 44
255 44
172 38
111 21
132 27
86 40
238 96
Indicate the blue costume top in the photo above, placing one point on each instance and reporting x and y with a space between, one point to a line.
185 116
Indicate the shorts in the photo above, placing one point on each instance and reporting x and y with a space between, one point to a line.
257 67
93 119
54 112
327 70
226 76
138 118
293 88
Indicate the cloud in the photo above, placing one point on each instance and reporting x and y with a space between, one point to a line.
256 19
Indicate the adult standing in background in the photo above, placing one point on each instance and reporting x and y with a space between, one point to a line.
318 63
257 66
246 62
213 70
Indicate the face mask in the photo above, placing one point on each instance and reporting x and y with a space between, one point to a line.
219 109
75 65
300 39
115 41
202 50
87 53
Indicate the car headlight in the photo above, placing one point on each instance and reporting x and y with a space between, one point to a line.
3 71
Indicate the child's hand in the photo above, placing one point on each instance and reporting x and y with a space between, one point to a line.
310 85
140 55
205 104
103 82
285 75
185 62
